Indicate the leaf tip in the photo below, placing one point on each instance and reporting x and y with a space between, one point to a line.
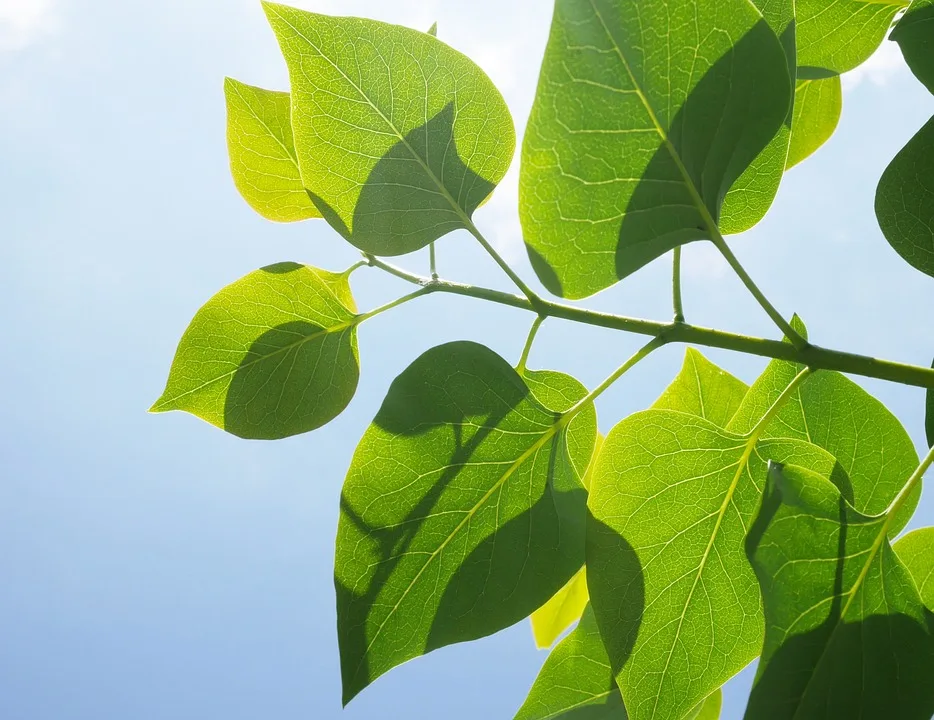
433 30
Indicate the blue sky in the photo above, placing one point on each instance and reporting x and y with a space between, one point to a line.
154 567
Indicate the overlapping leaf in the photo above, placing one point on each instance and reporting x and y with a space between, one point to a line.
836 414
463 509
847 634
675 598
262 153
916 551
835 36
704 390
818 103
272 355
399 137
915 35
644 118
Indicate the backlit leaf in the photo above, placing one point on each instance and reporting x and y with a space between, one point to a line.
916 551
645 116
847 635
905 201
835 413
915 35
835 36
463 510
710 710
704 390
561 611
399 137
262 154
272 355
818 104
675 598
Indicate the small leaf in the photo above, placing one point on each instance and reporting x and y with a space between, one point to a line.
675 598
262 154
905 201
835 37
433 30
399 137
916 551
576 681
641 123
751 195
704 390
561 611
463 509
710 710
835 413
272 355
847 635
818 104
915 36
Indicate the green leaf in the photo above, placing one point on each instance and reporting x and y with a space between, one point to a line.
836 414
463 509
561 611
272 355
641 123
818 104
929 415
846 632
751 196
433 30
916 551
710 710
399 137
834 37
905 201
704 390
675 598
576 681
915 36
262 154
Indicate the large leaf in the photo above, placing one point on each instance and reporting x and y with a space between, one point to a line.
675 597
751 195
818 103
576 681
399 137
847 635
916 551
272 355
837 35
262 153
704 390
836 414
463 510
915 35
644 118
905 201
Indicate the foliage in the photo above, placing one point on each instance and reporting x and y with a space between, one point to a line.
727 521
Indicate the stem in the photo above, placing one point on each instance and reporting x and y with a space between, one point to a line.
906 491
520 283
389 306
523 359
676 286
355 266
431 261
813 356
783 325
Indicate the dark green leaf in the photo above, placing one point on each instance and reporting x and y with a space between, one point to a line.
399 137
837 35
836 414
847 635
262 154
915 35
463 510
916 551
272 355
675 598
642 122
905 201
818 104
704 390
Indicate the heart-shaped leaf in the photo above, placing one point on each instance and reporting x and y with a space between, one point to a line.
641 124
272 355
399 137
463 510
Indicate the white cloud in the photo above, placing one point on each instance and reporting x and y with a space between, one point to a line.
24 21
884 64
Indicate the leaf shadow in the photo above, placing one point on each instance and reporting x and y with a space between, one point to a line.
401 207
